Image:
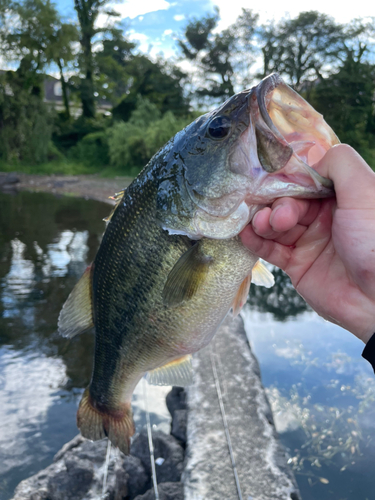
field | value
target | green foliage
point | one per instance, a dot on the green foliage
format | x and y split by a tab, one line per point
346	99
159	82
26	121
133	143
92	150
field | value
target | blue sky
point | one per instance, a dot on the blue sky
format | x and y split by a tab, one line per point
153	23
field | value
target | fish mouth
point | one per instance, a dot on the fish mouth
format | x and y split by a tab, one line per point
291	136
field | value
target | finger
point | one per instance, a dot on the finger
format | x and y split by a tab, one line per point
269	250
261	223
353	179
287	212
290	238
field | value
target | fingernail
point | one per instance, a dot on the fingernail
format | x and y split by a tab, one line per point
276	209
254	221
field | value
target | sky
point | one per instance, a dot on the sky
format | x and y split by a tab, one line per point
154	23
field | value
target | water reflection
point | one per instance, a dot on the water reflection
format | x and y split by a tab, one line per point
281	300
321	391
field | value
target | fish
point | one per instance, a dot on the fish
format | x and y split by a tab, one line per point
171	264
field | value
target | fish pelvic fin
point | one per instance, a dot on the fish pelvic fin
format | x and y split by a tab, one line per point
262	276
76	315
97	424
178	372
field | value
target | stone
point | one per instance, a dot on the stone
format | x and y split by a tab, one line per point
179	424
165	447
176	400
8	179
73	482
167	491
131	478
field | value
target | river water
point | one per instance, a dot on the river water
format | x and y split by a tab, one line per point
321	391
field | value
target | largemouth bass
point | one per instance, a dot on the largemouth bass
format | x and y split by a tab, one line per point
171	264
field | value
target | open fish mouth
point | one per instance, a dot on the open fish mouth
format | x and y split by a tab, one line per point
291	136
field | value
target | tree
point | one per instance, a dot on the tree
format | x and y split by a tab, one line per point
211	55
347	101
61	51
88	12
303	48
223	59
112	62
161	83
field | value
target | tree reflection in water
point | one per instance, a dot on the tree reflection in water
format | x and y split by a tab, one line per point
282	300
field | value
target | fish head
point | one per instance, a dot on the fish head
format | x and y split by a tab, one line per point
258	146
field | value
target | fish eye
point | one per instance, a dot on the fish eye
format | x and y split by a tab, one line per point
219	127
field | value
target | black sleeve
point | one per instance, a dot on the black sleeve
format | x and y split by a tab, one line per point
369	351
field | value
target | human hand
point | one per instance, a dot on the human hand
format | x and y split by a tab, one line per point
327	247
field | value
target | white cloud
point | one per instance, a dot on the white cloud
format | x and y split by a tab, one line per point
179	17
140	37
229	11
132	8
168	32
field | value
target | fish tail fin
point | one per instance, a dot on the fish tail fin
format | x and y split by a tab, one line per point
95	424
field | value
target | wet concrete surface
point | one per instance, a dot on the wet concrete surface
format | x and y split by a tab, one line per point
259	457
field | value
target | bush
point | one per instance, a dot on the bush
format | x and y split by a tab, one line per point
132	144
92	150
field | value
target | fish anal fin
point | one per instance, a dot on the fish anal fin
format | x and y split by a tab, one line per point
187	275
76	315
178	372
241	296
95	424
262	276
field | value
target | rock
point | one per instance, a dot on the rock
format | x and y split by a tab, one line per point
73	482
167	491
167	449
176	400
131	478
8	179
77	472
69	446
179	424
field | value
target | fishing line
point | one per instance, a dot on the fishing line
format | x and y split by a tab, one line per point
225	423
150	443
105	475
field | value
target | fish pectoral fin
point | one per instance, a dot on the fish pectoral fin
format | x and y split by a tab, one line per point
178	372
241	296
262	276
76	315
186	276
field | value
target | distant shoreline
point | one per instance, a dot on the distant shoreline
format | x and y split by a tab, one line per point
84	186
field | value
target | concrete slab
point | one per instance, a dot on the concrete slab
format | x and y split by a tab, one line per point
258	456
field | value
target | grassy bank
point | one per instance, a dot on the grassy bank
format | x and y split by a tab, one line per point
68	168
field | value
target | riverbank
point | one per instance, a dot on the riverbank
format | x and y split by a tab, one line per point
85	186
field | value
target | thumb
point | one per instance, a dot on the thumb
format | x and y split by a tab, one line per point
353	179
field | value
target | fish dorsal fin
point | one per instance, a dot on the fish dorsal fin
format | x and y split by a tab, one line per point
186	276
117	198
76	315
241	296
178	372
262	276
